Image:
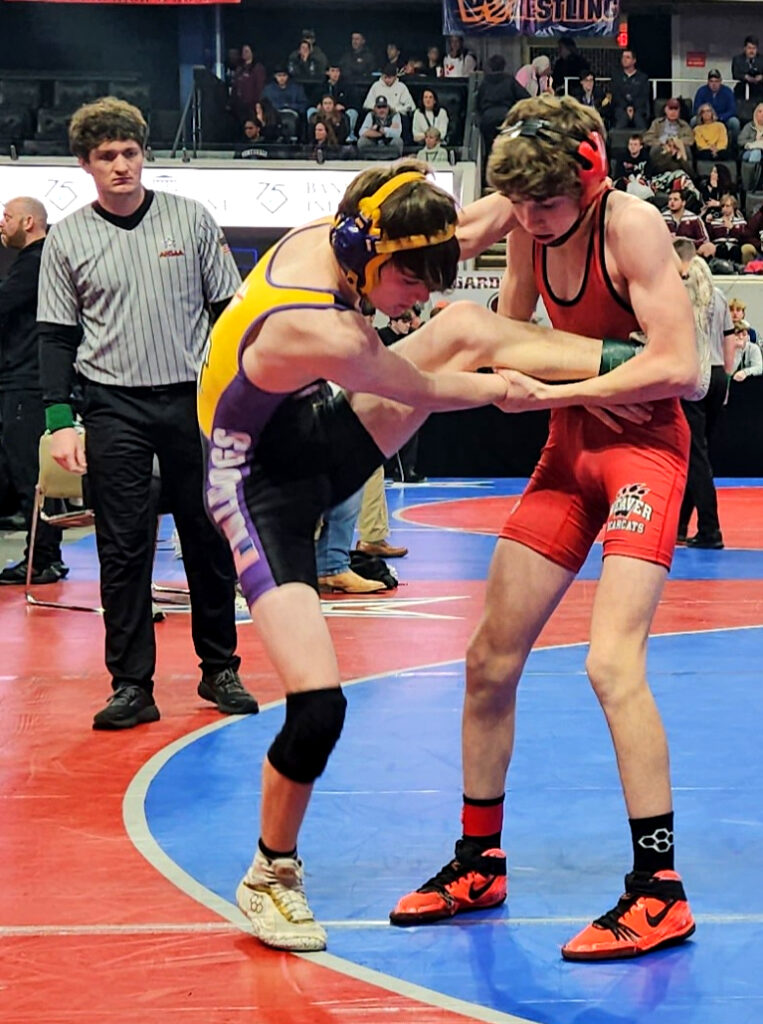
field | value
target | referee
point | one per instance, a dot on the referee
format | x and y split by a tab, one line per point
142	274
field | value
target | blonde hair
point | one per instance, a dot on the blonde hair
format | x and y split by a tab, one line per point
707	106
533	167
737	304
105	120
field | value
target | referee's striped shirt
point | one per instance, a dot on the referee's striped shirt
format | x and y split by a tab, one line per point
141	295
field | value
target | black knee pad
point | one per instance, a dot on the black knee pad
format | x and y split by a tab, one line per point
314	721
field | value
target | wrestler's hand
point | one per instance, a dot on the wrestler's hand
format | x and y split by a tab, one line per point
610	417
522	393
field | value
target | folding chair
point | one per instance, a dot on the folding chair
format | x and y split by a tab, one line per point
55	482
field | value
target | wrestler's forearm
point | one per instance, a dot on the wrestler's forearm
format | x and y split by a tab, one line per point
465	336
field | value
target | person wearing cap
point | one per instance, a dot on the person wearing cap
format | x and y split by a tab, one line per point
381	134
283	93
721	99
670	134
394	91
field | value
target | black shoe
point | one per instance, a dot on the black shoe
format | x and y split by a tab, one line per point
53	573
681	537
412	476
713	541
226	691
128	706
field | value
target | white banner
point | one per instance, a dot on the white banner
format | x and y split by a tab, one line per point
243	195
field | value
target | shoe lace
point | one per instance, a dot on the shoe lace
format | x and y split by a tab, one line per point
288	892
227	681
613	919
447	874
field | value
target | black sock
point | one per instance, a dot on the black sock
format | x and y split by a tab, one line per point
275	854
653	843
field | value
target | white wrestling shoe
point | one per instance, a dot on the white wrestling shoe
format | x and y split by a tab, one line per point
272	896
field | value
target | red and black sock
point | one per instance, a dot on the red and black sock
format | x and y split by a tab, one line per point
653	843
482	822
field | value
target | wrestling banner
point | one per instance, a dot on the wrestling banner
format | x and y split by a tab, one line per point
530	17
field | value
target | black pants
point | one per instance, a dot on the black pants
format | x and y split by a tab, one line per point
702	417
125	427
23	424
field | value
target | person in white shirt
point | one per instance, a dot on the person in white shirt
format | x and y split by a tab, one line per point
429	114
458	62
393	90
433	152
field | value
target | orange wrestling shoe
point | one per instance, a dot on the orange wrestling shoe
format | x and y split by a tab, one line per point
471	881
651	914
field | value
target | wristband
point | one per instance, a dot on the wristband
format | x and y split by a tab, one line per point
614	352
58	417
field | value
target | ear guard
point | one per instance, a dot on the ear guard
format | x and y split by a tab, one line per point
590	152
360	245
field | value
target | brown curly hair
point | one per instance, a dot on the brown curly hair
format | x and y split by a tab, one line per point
105	120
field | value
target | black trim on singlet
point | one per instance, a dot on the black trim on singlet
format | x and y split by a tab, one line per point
131	221
623	303
544	270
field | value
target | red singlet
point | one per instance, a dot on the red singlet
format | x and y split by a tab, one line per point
589	477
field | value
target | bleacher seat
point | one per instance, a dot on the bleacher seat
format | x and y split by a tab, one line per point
38	147
745	109
20	92
137	93
15	122
290	124
70	94
617	139
52	124
753	201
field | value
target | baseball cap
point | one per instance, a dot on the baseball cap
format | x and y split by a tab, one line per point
381	101
714	73
673	104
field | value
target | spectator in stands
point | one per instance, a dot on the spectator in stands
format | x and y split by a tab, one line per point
684	224
335	86
433	152
381	134
721	99
332	550
414	68
358	61
373	521
630	88
393	90
285	94
711	139
317	53
22	414
670	138
248	83
737	311
322	143
395	57
267	115
748	359
712	188
728	230
535	77
252	146
302	65
457	62
338	121
751	144
632	168
569	64
497	93
433	63
747	71
713	324
429	114
754	236
592	95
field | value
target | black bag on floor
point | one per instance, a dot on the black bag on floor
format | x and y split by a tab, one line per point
371	567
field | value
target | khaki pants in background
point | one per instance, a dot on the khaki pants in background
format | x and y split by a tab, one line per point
373	522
